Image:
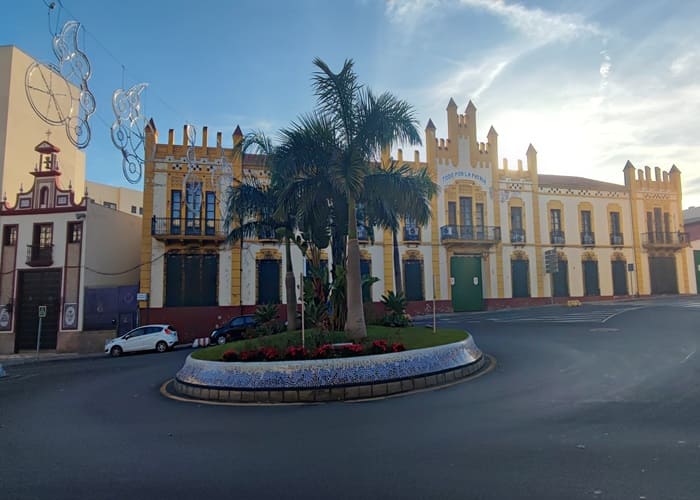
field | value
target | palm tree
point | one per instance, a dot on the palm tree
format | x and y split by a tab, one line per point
394	192
345	135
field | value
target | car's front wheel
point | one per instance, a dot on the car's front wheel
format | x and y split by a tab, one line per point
221	339
116	351
161	346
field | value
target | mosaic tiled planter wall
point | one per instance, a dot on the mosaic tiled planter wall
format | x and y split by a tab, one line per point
331	378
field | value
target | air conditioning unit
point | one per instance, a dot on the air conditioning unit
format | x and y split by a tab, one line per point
448	231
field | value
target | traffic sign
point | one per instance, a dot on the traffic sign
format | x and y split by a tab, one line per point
42	311
551	261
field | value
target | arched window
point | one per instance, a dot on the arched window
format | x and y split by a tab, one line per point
44	197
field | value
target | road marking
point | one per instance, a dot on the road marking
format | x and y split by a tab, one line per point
688	356
620	312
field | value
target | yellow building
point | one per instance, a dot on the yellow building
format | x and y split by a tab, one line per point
500	236
21	128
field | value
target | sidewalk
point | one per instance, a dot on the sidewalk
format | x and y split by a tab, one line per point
26	357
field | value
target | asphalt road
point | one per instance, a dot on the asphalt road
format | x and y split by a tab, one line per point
603	405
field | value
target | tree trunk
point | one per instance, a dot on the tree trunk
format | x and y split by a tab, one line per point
398	285
290	283
240	276
355	323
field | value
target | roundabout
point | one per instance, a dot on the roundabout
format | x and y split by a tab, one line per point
335	379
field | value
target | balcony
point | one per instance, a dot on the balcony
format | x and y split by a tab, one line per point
39	255
616	239
411	234
479	235
587	238
664	240
556	237
517	236
166	228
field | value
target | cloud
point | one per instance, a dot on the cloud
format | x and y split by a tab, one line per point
471	79
683	63
536	24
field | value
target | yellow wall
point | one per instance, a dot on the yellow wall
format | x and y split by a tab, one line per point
21	129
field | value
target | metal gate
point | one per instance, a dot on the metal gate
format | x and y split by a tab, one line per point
662	271
37	288
590	278
520	277
619	277
467	289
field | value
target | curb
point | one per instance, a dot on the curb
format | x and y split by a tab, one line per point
181	391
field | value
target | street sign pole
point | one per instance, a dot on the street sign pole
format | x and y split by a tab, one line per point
42	315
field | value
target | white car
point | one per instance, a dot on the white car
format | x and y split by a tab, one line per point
144	338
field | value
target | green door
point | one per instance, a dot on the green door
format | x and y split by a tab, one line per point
697	268
590	278
467	289
520	277
560	280
619	275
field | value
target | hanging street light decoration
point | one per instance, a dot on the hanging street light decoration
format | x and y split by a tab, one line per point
59	93
129	131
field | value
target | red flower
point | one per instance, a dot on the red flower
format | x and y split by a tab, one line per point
322	352
379	346
397	347
295	352
353	350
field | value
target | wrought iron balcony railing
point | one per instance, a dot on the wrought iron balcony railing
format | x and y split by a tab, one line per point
659	239
556	237
617	239
517	236
411	233
587	238
167	227
473	234
39	255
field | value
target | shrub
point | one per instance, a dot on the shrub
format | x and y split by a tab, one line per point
230	355
395	302
265	313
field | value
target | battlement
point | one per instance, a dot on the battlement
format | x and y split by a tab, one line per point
641	179
204	152
461	126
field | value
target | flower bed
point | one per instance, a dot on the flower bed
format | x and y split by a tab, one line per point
324	351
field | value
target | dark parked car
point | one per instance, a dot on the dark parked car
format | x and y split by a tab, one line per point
234	329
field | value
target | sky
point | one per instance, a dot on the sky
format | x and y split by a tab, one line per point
590	84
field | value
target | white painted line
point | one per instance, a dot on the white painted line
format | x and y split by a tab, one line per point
620	312
688	356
